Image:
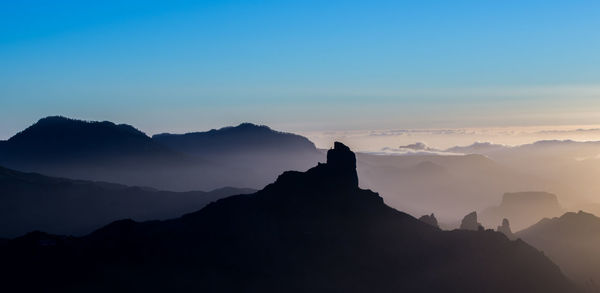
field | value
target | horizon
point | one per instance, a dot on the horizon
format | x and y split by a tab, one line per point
378	140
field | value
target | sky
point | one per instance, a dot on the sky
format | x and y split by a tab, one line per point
302	66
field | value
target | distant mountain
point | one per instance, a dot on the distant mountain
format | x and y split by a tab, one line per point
247	155
254	152
308	232
476	148
573	242
523	209
31	202
67	141
103	151
449	186
246	137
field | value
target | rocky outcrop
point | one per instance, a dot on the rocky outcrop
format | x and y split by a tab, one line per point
469	222
505	229
429	219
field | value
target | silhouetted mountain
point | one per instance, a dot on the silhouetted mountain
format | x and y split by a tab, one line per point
572	241
66	141
103	151
246	155
308	232
246	137
523	209
31	201
504	228
429	219
469	222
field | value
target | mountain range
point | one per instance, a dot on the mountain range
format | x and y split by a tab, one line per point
251	156
313	231
104	151
30	201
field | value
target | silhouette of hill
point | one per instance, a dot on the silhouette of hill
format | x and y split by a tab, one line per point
246	155
429	219
31	201
246	137
59	139
308	232
572	241
523	209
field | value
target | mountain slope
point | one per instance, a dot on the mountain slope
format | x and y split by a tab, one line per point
572	241
31	201
308	232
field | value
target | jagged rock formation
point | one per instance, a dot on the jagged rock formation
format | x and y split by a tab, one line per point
523	209
505	229
429	219
313	231
469	222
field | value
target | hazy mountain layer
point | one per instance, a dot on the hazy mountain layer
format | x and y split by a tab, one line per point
522	209
31	202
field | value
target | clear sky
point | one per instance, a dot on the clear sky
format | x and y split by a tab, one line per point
300	65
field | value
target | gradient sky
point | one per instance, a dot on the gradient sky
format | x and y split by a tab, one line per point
300	65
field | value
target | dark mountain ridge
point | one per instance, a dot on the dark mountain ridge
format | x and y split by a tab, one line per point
60	139
307	232
247	155
246	137
30	201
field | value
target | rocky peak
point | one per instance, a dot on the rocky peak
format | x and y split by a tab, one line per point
429	219
469	222
505	229
342	161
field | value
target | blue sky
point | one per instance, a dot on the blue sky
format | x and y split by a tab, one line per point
300	65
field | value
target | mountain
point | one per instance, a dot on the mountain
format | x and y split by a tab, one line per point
313	231
67	141
103	151
523	209
573	242
243	156
31	202
255	152
246	137
476	148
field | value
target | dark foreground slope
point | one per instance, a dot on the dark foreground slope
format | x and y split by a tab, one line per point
573	242
30	201
307	232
